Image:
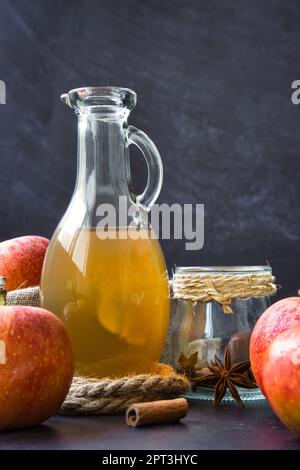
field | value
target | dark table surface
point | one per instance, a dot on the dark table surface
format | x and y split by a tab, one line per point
227	427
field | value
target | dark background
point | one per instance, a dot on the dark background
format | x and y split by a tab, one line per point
214	84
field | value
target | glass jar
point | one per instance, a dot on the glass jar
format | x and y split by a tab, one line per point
207	327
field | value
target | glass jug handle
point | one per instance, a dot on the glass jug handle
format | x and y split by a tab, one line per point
154	164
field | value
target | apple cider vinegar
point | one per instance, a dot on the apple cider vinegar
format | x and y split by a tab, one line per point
112	295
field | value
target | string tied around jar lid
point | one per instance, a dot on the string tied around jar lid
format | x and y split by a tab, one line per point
222	287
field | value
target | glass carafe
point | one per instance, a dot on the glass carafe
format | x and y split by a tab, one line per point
104	274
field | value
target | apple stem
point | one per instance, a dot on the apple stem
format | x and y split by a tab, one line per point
3	290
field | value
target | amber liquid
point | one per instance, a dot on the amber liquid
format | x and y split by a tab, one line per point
112	295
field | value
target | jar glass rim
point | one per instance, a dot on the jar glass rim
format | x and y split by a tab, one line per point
109	97
223	269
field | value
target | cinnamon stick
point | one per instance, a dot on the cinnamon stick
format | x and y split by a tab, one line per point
156	412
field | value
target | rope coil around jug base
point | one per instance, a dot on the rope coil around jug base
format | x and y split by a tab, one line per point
88	396
92	396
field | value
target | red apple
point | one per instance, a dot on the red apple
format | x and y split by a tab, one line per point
21	261
280	317
36	366
281	377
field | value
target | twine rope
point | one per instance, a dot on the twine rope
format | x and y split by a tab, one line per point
222	288
88	396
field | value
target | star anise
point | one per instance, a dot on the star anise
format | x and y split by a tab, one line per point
189	365
226	376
